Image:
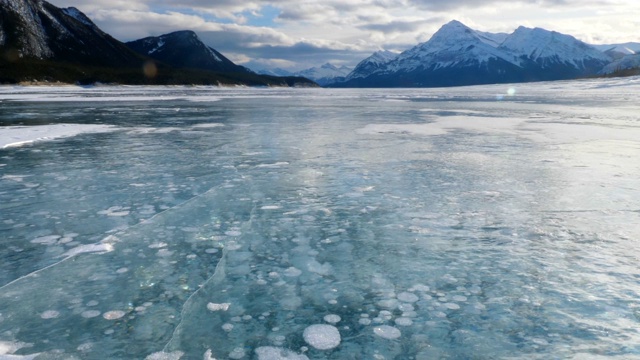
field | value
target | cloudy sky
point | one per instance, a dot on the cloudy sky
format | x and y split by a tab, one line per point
296	34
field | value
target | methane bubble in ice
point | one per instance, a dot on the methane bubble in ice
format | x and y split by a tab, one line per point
113	315
292	272
387	332
237	353
408	297
332	318
403	321
50	314
275	353
322	337
452	306
90	314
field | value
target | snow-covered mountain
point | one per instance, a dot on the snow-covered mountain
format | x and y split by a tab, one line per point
184	49
36	29
625	63
275	72
618	51
459	55
323	75
550	48
371	64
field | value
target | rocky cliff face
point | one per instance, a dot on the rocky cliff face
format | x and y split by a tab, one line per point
37	29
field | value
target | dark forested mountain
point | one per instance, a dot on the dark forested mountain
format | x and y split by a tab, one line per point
41	42
184	49
459	55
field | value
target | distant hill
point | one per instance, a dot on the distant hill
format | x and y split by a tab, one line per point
43	43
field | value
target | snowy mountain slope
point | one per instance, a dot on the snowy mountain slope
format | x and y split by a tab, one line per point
624	63
454	44
324	74
628	48
36	29
184	49
458	55
617	51
547	47
371	64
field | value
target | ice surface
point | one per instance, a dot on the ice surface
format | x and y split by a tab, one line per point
489	221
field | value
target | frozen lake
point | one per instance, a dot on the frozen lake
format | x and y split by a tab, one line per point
488	222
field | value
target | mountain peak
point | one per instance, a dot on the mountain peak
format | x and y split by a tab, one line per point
329	66
537	44
184	49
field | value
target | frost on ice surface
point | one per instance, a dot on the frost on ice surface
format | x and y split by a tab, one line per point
322	337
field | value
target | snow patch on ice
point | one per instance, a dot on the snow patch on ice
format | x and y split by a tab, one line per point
14	136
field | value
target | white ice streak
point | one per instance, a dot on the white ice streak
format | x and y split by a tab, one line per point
90	248
10	347
12	136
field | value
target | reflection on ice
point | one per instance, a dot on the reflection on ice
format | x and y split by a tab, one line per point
286	224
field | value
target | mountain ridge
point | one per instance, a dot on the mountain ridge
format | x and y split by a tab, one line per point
458	55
